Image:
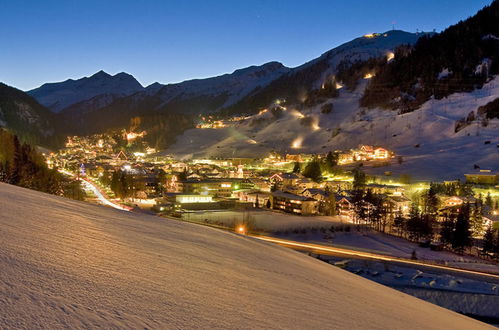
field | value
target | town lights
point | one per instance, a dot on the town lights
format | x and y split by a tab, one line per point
241	230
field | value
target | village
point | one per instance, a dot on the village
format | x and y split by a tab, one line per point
128	171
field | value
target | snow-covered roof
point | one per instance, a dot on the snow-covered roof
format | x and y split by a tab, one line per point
69	264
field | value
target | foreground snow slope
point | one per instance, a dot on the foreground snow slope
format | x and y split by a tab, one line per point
71	264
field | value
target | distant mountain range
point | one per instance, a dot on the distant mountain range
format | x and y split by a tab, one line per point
57	96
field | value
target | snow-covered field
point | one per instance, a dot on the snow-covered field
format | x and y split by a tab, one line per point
262	220
463	295
375	242
431	127
68	264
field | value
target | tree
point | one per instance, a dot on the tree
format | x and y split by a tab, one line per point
488	240
462	233
414	223
330	161
330	205
399	222
476	219
296	167
447	230
359	179
488	201
313	170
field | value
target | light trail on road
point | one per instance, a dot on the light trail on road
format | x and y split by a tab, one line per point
359	254
90	186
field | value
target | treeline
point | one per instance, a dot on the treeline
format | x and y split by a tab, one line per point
468	54
426	220
22	165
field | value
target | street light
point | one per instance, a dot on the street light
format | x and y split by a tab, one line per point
241	229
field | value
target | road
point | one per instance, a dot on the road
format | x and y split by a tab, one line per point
89	185
341	252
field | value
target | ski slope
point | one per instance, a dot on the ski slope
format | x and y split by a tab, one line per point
68	264
442	154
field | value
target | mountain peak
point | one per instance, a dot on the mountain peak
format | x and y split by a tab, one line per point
60	95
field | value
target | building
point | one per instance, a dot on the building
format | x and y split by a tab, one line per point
291	203
215	187
483	177
344	205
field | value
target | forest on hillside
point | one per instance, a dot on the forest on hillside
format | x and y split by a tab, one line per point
460	59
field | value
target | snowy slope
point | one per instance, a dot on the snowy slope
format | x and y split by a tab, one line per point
431	126
73	265
60	95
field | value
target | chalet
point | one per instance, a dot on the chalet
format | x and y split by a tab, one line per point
291	203
344	205
448	201
315	193
285	179
399	203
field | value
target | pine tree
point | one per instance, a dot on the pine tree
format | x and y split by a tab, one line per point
488	201
296	168
462	233
488	240
447	230
359	179
313	170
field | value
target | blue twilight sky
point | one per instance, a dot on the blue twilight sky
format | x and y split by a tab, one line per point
174	40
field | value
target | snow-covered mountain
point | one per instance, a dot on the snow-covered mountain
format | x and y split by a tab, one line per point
68	264
298	83
60	95
426	138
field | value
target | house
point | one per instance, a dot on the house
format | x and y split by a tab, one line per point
254	196
344	205
285	179
448	201
292	203
399	202
315	193
381	153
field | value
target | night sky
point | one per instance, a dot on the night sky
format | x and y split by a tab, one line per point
171	41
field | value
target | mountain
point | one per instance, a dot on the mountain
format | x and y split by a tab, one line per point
192	96
336	102
166	110
304	82
68	264
23	115
60	95
460	59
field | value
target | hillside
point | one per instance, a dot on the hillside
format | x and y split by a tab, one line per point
460	59
309	130
23	115
303	83
68	264
59	95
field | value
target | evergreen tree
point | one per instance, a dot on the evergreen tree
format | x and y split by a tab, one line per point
313	170
296	167
359	179
488	201
447	230
488	240
462	233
